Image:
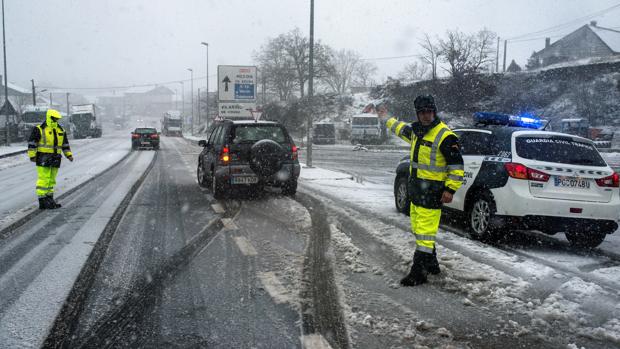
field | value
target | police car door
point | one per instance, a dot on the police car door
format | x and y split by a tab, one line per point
474	145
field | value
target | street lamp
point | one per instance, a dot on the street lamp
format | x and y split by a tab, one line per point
191	72
182	98
207	94
6	87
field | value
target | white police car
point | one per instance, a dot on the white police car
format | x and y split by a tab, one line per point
518	177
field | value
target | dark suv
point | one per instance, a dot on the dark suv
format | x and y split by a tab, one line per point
243	154
144	137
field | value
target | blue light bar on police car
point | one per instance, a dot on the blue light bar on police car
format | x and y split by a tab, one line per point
486	118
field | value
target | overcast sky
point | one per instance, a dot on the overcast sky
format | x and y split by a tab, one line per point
82	43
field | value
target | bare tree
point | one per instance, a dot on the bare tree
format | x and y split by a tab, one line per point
340	72
457	50
413	72
465	53
431	54
297	47
363	75
484	51
277	68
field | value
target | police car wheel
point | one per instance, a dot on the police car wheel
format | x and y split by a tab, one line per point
401	198
585	239
481	217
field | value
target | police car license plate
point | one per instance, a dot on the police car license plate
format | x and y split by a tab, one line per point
572	182
245	180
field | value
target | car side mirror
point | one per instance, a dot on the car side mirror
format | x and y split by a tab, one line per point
202	143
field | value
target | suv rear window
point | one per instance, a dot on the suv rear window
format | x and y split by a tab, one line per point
145	130
253	133
558	149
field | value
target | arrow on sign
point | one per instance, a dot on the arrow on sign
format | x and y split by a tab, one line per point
226	81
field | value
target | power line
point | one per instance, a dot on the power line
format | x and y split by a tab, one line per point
567	24
125	86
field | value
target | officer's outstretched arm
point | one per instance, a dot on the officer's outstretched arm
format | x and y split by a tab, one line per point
401	129
452	152
66	149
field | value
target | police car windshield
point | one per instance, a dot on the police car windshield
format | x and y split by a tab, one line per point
564	150
253	133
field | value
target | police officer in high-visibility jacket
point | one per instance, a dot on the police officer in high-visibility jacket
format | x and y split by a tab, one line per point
46	144
436	173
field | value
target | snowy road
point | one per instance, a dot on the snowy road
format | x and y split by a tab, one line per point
41	259
537	287
92	156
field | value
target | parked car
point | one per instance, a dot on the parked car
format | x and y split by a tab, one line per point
518	177
248	154
144	137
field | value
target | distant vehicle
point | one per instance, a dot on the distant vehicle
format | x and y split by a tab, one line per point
144	137
120	122
84	121
324	133
248	154
367	129
578	126
30	118
520	177
171	123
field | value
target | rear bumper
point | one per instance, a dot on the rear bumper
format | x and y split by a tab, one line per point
138	144
551	224
516	200
287	173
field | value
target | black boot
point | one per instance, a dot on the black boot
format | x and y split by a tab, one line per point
417	275
433	265
43	205
52	205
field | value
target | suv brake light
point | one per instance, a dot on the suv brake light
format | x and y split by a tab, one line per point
520	171
225	155
135	135
294	154
612	181
155	136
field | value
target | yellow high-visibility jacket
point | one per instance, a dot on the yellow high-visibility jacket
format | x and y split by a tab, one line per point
436	164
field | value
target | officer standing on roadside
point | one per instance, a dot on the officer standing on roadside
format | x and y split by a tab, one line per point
435	174
46	144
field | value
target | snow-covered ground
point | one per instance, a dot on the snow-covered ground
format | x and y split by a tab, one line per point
18	175
550	287
13	148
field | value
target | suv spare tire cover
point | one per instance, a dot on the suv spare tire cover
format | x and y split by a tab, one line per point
266	157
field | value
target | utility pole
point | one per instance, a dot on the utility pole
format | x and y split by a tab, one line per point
497	57
68	113
310	87
50	99
191	72
207	94
199	108
34	93
6	87
505	49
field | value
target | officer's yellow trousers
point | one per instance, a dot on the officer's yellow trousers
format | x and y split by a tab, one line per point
46	180
424	225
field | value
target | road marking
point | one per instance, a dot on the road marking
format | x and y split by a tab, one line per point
314	341
218	208
274	287
245	246
229	224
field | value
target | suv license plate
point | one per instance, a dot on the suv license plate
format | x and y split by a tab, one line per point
145	143
572	182
244	180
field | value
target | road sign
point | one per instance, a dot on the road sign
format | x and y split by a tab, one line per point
236	83
236	110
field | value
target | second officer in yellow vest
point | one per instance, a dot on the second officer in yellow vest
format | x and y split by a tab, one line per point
46	144
435	174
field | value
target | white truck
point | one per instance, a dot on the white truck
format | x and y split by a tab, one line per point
172	123
367	128
84	121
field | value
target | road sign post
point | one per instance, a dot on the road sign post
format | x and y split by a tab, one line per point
236	91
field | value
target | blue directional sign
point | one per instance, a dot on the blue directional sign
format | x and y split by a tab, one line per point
244	91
